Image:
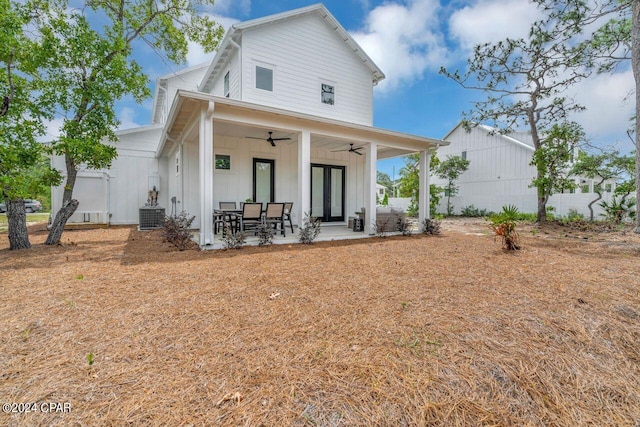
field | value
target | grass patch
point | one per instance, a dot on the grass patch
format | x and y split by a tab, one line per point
31	217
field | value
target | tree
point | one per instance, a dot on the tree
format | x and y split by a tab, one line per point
553	158
384	179
602	167
94	78
410	181
21	115
450	170
524	80
616	40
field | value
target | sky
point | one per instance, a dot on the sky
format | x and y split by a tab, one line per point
410	41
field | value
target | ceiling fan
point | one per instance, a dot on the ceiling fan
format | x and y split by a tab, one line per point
271	140
351	149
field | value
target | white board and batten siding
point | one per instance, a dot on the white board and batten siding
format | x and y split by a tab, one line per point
114	195
499	172
130	172
304	53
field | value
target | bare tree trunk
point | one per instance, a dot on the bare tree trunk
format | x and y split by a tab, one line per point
17	221
69	205
594	201
635	65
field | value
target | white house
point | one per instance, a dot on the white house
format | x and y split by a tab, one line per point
500	173
271	118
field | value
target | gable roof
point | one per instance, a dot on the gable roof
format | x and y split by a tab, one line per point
160	91
233	36
520	139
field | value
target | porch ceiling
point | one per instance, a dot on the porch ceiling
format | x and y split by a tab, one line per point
239	119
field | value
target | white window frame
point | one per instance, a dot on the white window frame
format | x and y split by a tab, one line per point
274	78
332	85
223	153
226	84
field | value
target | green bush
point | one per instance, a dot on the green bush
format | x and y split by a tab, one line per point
472	212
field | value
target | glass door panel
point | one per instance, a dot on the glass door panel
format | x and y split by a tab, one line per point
263	180
337	192
327	192
317	192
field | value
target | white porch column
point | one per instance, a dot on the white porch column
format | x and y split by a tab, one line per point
304	175
205	154
370	179
423	187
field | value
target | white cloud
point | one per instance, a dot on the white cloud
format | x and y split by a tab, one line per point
608	106
196	54
127	118
228	6
491	21
53	129
403	40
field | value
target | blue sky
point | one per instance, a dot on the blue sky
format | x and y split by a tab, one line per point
410	40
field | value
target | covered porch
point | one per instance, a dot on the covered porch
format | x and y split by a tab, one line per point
217	150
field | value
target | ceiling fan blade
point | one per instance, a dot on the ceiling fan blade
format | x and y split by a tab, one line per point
280	139
270	141
357	152
337	151
253	137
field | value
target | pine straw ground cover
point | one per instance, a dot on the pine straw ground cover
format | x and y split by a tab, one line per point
446	330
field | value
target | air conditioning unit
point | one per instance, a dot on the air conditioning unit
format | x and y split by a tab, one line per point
151	217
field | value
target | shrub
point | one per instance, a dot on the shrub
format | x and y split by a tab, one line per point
404	226
618	210
472	212
265	235
175	230
574	215
233	240
381	227
310	229
503	225
430	227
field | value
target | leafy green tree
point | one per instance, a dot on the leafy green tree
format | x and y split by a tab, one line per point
553	158
450	170
602	167
524	80
21	115
99	69
385	199
410	180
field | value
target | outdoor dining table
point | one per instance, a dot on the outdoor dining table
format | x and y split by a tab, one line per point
230	215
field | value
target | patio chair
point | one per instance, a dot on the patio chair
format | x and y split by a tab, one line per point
275	216
288	207
251	216
220	218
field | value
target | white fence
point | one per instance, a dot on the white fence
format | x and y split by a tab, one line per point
562	204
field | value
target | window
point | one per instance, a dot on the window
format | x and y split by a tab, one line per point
327	94
584	188
223	162
464	155
226	85
264	78
608	188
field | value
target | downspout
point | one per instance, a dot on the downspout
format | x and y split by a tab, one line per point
237	46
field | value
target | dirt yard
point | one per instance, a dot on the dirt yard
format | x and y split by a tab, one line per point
117	328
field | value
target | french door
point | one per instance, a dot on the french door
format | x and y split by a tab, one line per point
327	192
263	180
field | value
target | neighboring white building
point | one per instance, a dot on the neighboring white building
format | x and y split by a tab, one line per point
297	77
500	173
